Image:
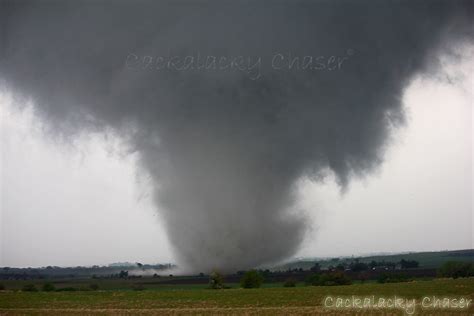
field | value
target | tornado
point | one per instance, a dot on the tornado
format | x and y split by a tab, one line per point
228	103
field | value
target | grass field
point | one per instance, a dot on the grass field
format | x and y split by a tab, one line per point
198	300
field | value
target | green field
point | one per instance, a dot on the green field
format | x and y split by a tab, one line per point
194	299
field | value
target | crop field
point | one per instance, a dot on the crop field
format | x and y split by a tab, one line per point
197	300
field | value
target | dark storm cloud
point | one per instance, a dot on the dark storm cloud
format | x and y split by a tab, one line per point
224	146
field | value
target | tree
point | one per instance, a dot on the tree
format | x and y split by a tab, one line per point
407	264
216	281
316	268
123	274
358	266
313	279
340	267
456	269
251	279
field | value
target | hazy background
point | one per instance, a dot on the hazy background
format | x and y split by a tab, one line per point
95	209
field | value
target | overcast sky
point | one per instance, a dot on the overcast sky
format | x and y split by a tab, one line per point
84	203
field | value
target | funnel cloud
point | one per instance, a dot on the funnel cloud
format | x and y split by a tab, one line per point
229	103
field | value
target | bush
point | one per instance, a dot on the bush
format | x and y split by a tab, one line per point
216	281
313	279
251	279
48	287
94	286
335	278
29	288
2	287
66	289
289	283
456	269
138	287
328	279
392	278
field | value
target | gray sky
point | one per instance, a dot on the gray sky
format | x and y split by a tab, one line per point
84	203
